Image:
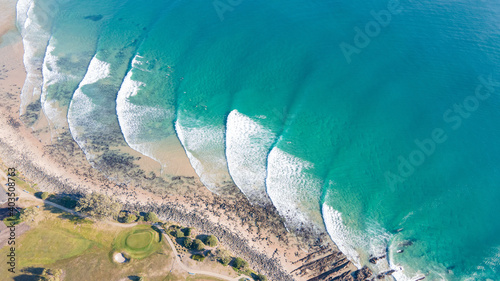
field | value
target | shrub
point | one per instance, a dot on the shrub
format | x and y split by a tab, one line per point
260	277
98	206
187	242
187	231
141	218
28	214
50	275
178	233
130	218
198	245
151	217
224	260
239	263
44	195
211	241
223	256
198	257
65	201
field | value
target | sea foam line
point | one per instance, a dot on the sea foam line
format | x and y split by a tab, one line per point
375	241
82	107
204	147
293	190
35	40
131	116
247	146
52	75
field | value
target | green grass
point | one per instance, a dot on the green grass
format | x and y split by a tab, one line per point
47	246
53	240
139	242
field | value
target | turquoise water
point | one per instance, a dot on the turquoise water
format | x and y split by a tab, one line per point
387	138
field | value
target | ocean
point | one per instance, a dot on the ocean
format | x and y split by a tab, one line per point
376	121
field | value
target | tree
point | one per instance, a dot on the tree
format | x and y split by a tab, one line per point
44	195
223	256
98	206
28	214
187	242
50	275
211	241
187	231
151	217
239	263
130	218
198	245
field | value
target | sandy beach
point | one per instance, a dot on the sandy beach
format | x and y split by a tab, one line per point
56	164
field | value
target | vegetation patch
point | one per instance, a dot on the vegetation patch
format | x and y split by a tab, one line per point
198	257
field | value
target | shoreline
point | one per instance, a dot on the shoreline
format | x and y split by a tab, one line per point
255	233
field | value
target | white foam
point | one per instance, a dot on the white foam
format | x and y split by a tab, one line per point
97	70
35	33
358	246
204	146
52	75
81	108
131	117
347	241
247	145
293	190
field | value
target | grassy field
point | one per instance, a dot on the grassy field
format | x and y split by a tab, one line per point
47	246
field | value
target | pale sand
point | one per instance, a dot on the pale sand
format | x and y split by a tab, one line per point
247	231
119	258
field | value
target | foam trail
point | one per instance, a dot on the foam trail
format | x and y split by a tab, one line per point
358	246
293	190
346	241
247	145
132	117
82	107
203	144
34	21
53	76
